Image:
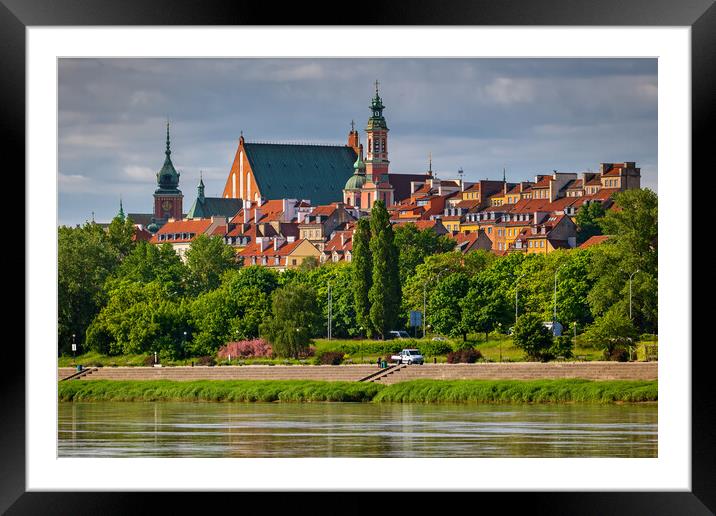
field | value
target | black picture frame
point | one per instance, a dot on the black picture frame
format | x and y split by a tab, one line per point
700	15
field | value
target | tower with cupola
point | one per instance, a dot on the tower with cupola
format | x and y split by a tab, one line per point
168	198
377	185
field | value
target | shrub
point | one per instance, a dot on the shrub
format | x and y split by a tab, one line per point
206	360
256	348
532	337
562	347
617	355
464	356
148	360
330	358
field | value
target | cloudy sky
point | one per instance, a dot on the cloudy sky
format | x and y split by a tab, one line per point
530	116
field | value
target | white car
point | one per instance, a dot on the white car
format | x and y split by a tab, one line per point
408	356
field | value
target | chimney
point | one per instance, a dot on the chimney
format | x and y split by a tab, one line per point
343	239
257	214
246	215
275	244
291	239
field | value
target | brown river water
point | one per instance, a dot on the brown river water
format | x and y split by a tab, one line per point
200	429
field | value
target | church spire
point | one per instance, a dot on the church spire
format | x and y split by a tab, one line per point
168	151
121	209
200	188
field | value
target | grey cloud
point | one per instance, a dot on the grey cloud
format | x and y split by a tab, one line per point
530	115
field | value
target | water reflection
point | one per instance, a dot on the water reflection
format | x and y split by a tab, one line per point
136	429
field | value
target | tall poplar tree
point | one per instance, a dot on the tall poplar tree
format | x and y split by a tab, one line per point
385	292
362	273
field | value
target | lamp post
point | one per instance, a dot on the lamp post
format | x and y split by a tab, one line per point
517	284
425	298
630	277
330	310
74	346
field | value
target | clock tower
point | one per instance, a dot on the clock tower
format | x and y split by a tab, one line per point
167	197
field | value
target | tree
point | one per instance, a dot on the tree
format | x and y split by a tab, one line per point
613	331
85	258
147	262
295	318
362	274
207	259
120	234
633	224
385	292
140	318
531	336
234	310
445	306
343	315
588	221
415	245
484	307
308	263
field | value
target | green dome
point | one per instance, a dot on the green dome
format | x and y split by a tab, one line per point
153	228
359	165
355	182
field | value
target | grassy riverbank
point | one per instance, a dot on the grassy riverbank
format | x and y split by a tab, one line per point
417	391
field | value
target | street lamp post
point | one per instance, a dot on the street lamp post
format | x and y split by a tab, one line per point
74	346
330	310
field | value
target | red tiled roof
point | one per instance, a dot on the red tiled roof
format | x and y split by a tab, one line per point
195	226
594	240
334	244
543	183
219	231
254	249
604	193
468	203
326	211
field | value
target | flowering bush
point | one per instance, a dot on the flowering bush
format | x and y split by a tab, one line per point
464	356
258	348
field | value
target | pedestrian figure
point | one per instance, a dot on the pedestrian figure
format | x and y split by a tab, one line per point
380	362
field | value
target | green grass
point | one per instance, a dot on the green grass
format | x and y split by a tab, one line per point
216	390
417	391
517	391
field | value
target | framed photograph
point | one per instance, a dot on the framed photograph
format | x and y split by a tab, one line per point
178	121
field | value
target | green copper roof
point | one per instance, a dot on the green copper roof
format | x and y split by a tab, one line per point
376	121
355	182
287	171
167	177
206	207
359	165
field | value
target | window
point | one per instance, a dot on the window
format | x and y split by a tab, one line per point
541	244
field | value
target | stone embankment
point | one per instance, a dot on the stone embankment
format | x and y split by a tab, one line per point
348	373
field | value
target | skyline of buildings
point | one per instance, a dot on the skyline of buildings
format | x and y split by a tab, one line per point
628	104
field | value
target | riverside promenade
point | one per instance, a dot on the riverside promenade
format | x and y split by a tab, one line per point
371	373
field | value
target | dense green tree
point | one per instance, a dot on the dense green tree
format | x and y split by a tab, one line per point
632	247
120	234
340	277
85	258
588	221
362	274
613	330
484	306
531	336
140	318
294	319
148	262
415	245
207	259
233	311
445	305
385	292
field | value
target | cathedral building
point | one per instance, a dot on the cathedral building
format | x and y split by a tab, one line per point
321	174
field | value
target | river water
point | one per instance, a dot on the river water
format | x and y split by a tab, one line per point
200	429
